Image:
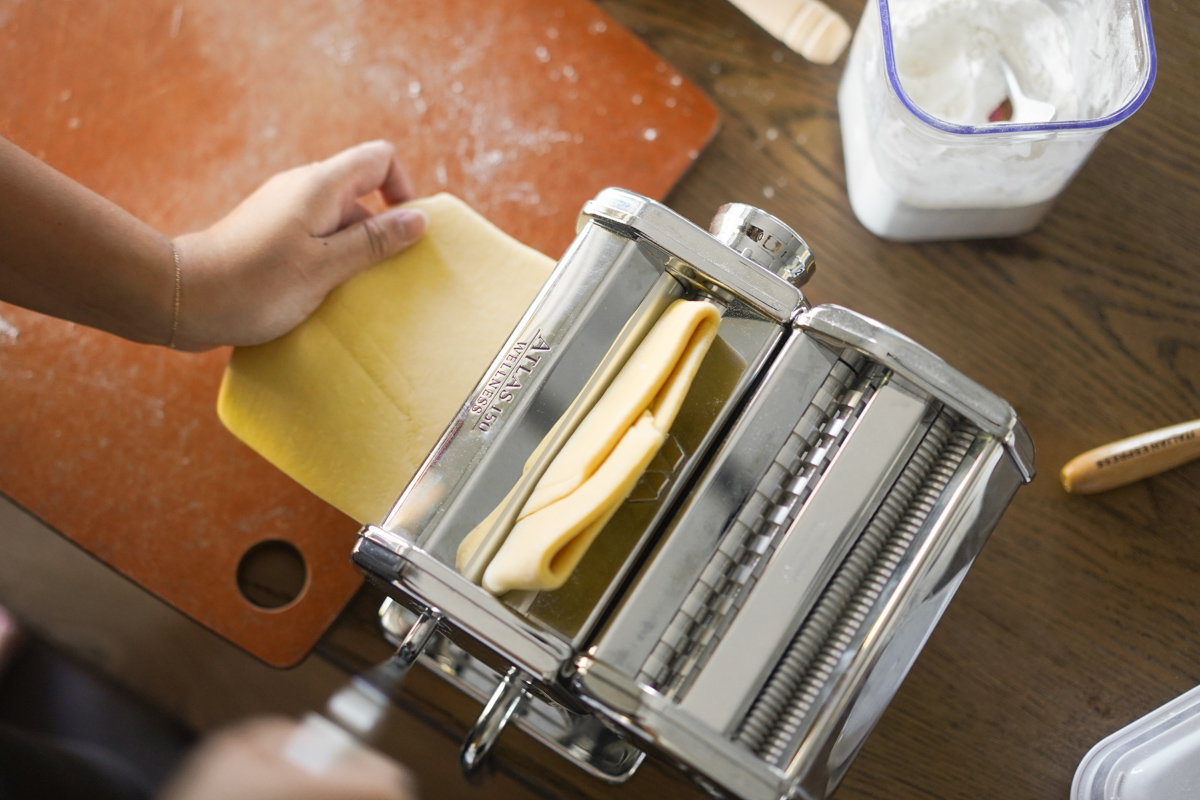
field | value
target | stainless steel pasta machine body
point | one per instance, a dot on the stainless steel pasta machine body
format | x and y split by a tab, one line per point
756	601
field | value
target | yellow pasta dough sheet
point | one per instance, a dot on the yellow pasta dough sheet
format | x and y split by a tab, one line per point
350	403
603	459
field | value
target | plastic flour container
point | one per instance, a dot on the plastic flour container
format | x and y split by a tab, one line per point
933	147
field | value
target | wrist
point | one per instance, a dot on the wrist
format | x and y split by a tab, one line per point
198	320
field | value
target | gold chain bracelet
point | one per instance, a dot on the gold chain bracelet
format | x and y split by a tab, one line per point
178	287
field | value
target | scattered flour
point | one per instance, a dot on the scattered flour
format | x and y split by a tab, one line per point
338	41
8	332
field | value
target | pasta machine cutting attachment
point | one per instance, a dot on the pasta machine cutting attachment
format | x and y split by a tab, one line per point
753	605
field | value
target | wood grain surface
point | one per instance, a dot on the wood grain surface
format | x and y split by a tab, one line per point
1082	613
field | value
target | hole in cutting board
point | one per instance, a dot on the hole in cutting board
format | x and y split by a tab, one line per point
272	574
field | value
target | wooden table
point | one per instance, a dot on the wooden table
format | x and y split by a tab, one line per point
1081	614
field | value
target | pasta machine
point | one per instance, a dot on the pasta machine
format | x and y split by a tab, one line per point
755	602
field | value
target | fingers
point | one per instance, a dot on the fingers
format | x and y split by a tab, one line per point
352	250
361	774
264	267
375	776
357	213
247	762
366	167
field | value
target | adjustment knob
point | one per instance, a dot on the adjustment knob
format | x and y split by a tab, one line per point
764	240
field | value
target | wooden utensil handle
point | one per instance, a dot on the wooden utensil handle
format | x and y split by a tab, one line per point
1118	463
811	28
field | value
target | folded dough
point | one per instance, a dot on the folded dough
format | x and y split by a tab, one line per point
349	403
602	460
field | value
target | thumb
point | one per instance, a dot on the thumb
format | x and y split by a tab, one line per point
370	241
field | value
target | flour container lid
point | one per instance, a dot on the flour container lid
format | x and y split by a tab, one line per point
1155	758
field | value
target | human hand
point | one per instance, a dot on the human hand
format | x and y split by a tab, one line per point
246	762
265	267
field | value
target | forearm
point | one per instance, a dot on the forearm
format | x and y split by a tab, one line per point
252	276
68	252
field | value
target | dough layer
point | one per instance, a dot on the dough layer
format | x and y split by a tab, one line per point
350	402
603	459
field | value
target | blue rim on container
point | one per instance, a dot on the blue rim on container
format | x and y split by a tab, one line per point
1120	115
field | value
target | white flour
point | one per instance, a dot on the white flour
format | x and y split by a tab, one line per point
8	332
948	55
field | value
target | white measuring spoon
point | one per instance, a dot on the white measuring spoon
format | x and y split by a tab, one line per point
1024	108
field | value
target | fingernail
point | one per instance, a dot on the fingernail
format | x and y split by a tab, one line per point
413	221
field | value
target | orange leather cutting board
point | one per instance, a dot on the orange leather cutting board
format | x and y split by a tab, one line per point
176	110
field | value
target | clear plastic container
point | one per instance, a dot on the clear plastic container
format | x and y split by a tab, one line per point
923	161
1155	758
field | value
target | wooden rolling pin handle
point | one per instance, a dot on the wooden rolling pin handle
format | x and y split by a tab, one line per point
811	28
1132	459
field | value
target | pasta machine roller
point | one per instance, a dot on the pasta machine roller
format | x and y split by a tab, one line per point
755	602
